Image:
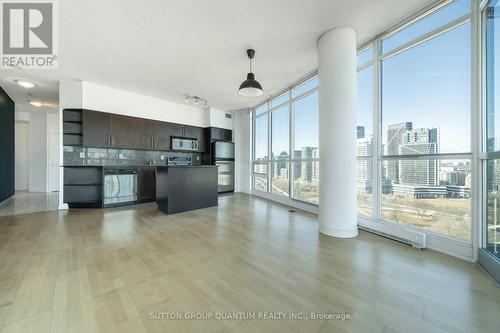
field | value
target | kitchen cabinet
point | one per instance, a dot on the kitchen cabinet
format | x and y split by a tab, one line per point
96	129
130	133
83	187
106	130
146	184
220	134
162	133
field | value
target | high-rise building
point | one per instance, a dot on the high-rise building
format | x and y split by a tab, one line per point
361	131
419	172
281	164
309	169
364	167
395	134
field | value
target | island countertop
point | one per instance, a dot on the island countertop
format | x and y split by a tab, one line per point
181	188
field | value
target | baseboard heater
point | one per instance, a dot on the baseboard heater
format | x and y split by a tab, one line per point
410	237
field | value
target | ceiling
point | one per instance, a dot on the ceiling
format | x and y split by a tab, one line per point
170	48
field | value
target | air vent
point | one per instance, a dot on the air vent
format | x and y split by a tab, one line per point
413	238
229	116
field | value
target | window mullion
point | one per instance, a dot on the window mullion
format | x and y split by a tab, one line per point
377	132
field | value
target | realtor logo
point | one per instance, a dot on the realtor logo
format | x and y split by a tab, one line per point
28	34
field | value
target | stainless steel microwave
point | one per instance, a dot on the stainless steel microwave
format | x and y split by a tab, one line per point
184	144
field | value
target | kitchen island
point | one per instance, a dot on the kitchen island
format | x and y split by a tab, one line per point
183	188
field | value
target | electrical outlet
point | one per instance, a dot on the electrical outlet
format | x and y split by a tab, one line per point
162	157
82	155
120	156
197	158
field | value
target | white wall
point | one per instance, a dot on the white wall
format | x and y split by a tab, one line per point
101	98
38	170
22	156
217	118
242	142
53	146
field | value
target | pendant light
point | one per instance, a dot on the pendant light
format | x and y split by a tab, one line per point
250	87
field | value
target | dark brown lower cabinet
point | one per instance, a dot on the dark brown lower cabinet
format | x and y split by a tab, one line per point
83	187
146	184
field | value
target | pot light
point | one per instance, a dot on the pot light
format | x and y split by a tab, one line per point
25	84
36	103
250	87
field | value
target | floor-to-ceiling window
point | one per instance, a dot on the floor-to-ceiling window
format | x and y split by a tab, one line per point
414	132
287	127
491	136
425	166
364	132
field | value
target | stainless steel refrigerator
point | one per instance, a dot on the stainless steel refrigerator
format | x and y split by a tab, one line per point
223	157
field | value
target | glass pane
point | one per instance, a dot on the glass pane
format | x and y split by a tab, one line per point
493	75
260	168
260	183
260	138
306	181
426	97
280	133
493	212
261	109
427	24
365	111
306	127
279	100
364	187
306	86
430	194
280	183
365	56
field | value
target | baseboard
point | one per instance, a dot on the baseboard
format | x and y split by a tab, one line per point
490	264
63	206
5	202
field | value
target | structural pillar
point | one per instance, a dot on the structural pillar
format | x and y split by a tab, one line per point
337	133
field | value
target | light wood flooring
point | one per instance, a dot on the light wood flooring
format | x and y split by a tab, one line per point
110	270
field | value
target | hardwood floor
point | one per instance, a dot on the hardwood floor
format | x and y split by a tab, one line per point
113	270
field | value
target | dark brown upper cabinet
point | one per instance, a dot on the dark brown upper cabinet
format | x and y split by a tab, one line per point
220	134
162	133
131	133
96	129
106	130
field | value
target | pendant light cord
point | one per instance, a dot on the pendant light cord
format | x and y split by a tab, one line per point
250	65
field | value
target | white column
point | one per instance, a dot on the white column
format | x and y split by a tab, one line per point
337	133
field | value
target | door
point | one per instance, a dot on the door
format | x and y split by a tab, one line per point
225	176
54	161
223	150
163	132
21	156
146	184
130	132
96	129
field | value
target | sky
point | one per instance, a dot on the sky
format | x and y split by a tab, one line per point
428	85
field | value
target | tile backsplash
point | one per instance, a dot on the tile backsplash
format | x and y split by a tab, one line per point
104	156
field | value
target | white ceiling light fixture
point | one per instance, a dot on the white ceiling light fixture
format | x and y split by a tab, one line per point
36	103
250	87
25	84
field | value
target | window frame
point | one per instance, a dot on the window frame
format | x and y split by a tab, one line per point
378	157
271	160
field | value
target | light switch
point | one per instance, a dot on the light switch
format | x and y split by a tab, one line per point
162	157
120	156
82	154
